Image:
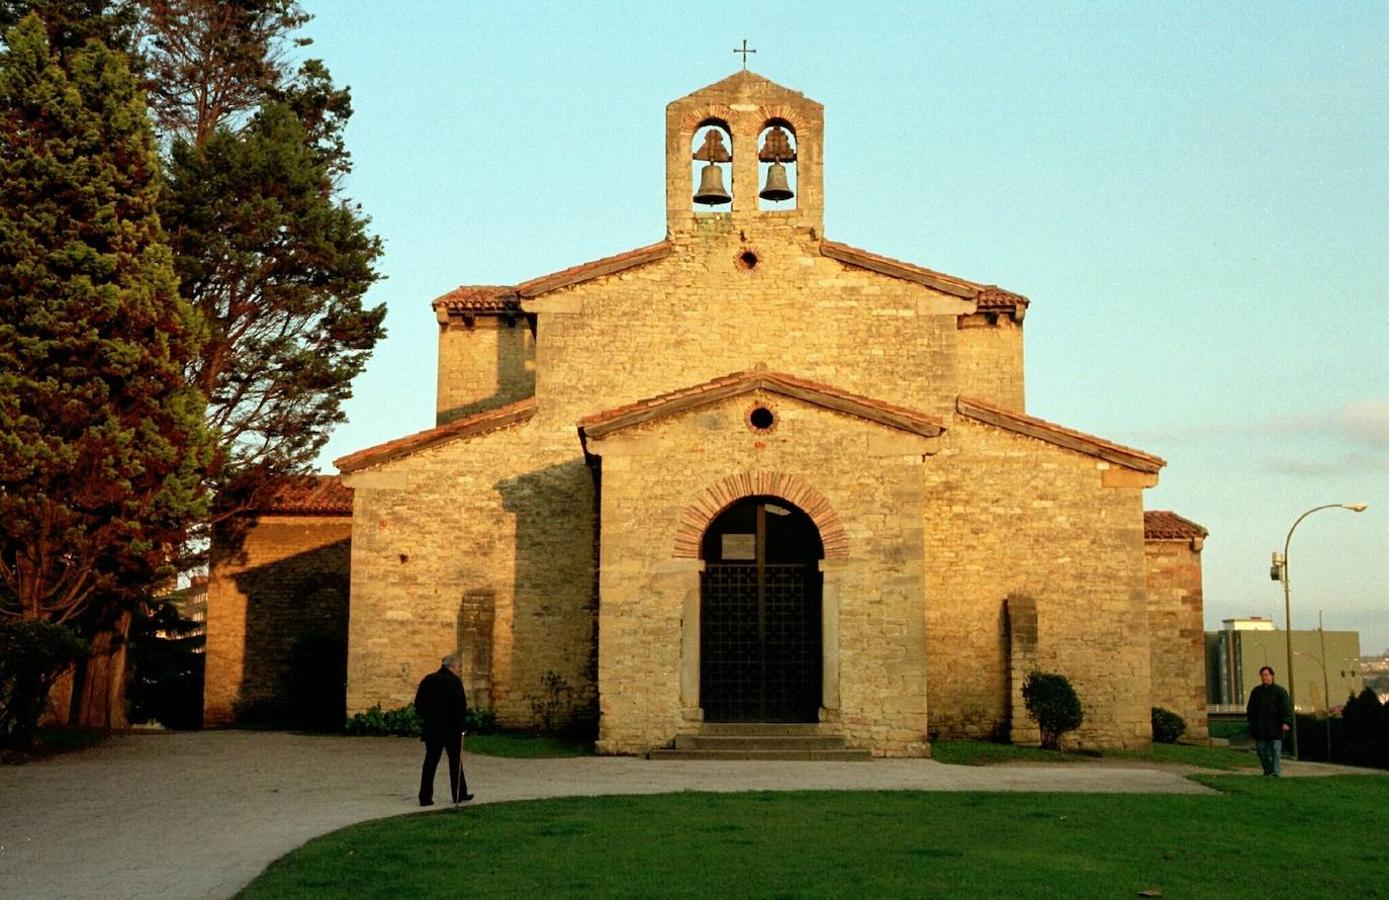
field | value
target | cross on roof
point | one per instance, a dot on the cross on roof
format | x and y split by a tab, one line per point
745	51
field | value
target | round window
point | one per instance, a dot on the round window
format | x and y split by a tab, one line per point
761	418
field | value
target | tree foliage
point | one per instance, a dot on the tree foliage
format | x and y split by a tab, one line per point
1052	703
102	442
33	653
271	255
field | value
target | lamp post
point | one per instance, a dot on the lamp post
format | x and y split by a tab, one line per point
1281	564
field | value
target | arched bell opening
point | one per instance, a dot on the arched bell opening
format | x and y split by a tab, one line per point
760	614
776	162
711	166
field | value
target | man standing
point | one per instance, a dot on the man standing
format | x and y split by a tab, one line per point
1270	715
442	708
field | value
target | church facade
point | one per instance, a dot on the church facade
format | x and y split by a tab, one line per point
749	473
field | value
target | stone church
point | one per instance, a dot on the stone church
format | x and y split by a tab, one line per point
744	474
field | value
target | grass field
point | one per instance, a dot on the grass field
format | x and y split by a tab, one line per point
1303	837
519	745
983	753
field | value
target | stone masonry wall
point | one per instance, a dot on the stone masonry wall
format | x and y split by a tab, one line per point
1004	514
991	364
649	600
1175	624
284	592
483	364
699	314
482	546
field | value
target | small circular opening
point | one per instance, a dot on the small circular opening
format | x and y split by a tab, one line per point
748	259
761	418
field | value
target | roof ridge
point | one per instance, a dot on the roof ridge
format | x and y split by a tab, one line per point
735	383
1042	429
468	426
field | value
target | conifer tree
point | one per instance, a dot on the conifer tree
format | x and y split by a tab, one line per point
102	440
275	260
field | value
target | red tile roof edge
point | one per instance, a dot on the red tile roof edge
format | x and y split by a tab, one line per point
479	298
303	495
588	271
469	426
1165	525
987	296
736	383
1041	429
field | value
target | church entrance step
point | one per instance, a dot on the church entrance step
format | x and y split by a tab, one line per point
760	740
759	728
842	755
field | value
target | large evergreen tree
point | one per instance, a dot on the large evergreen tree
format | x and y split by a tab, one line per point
266	248
102	440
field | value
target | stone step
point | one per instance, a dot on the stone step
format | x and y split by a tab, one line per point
840	755
761	729
759	742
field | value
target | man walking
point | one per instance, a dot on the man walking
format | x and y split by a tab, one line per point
442	707
1270	715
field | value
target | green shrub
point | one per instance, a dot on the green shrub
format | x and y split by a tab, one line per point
33	653
1052	703
480	721
1167	726
405	722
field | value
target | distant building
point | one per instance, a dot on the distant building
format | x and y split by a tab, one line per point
1236	653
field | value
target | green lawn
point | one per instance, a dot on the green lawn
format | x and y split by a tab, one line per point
519	745
1303	837
983	753
986	753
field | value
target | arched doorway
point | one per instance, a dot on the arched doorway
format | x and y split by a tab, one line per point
760	592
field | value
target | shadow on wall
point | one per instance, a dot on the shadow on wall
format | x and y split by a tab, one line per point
295	672
512	372
553	626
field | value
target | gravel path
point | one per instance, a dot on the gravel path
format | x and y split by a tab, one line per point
200	814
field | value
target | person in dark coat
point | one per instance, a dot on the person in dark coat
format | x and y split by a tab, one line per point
1270	715
443	707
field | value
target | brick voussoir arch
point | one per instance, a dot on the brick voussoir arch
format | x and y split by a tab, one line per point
717	497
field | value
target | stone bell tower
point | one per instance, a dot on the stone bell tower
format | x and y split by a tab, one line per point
744	152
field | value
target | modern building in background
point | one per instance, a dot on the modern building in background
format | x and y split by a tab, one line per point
1326	664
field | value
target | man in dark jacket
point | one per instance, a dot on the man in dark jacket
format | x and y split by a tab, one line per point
442	708
1270	715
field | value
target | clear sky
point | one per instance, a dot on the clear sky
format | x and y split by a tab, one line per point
1195	197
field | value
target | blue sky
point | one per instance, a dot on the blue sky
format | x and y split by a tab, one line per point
1194	196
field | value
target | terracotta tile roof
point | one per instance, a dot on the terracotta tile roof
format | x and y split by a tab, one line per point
987	296
304	495
737	383
479	298
1162	525
469	426
1058	435
608	265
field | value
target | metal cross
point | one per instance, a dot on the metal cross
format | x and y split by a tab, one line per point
745	51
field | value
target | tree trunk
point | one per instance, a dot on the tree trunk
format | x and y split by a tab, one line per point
59	710
102	701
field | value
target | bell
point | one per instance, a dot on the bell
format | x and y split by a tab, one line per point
777	188
711	190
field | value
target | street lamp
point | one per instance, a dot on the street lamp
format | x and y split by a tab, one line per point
1281	568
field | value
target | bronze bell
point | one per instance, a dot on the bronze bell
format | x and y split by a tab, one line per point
711	191
777	187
